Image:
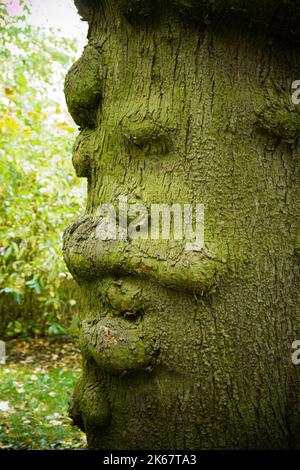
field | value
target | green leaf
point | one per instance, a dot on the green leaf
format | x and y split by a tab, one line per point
33	284
56	329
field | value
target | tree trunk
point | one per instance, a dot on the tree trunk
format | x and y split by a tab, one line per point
186	103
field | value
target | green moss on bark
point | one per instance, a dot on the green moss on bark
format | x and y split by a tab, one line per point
189	350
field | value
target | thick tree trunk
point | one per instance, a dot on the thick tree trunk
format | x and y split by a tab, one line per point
188	349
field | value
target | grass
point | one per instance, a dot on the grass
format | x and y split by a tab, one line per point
34	394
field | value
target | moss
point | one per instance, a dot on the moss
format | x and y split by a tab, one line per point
190	350
89	397
85	98
137	7
282	16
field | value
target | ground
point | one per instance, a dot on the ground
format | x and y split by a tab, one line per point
35	386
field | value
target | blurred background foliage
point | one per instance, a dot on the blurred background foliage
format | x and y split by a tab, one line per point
39	193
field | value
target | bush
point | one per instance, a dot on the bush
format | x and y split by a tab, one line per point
38	191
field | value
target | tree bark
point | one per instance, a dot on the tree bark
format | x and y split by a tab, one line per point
189	103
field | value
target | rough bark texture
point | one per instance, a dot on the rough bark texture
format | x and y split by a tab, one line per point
179	102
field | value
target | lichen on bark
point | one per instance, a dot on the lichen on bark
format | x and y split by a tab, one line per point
189	102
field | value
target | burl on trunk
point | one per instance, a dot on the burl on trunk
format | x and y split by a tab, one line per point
188	102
